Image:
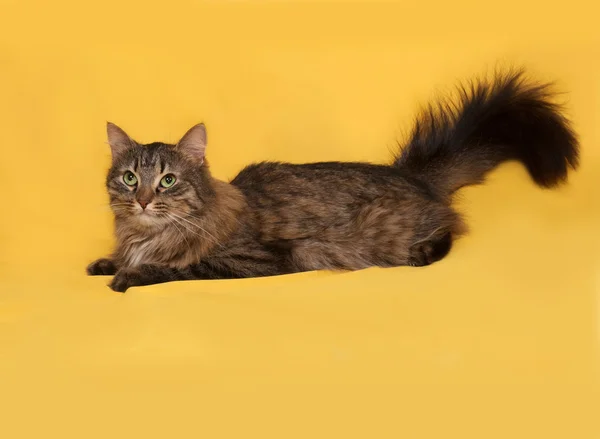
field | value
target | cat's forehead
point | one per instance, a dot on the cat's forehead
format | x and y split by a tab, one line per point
154	154
150	157
148	161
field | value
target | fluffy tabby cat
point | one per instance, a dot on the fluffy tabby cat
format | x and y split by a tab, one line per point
174	221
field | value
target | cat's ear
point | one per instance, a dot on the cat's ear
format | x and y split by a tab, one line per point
118	140
193	143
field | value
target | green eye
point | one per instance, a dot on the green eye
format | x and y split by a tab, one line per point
168	180
129	178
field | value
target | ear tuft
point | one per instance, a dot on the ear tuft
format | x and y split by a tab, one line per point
118	140
193	143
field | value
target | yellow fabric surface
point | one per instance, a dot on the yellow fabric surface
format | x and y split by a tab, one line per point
499	340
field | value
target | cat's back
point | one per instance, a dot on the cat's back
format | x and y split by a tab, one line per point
329	182
293	201
316	177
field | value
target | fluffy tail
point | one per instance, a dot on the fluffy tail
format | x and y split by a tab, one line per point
456	144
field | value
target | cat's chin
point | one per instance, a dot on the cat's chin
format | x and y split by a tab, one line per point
146	219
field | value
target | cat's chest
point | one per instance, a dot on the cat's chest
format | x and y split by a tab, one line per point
158	249
142	252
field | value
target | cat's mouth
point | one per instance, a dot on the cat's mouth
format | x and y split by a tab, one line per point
148	216
147	211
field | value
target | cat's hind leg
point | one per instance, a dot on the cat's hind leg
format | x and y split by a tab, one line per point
429	251
437	228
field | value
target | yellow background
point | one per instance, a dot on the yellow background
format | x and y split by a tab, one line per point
499	340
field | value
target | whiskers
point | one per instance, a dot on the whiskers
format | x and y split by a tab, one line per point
174	223
198	227
183	221
187	226
120	208
111	206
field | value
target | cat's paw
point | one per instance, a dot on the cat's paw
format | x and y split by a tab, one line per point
101	267
428	252
125	278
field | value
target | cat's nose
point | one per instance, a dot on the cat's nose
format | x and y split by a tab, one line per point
143	203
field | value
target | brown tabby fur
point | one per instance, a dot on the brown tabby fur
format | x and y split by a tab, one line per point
278	218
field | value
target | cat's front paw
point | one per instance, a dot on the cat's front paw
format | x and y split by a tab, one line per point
125	278
101	267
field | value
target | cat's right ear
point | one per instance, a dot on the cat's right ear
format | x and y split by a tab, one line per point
118	140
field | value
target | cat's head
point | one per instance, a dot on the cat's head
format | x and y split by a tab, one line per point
152	185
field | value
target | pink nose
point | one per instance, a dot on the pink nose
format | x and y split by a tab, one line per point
143	203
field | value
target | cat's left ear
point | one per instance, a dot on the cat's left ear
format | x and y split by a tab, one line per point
193	144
